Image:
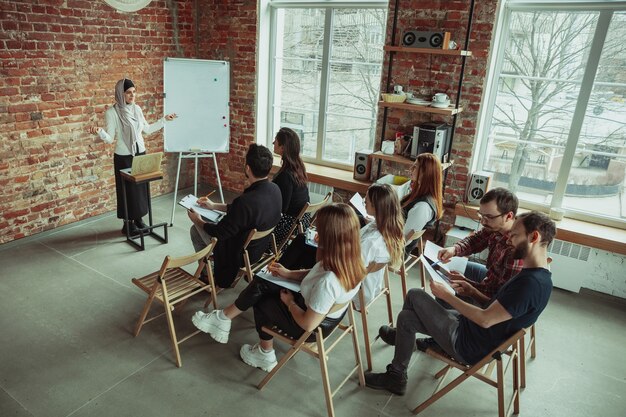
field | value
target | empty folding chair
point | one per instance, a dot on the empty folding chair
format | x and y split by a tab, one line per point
171	285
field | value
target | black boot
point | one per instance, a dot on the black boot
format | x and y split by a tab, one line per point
387	334
140	224
133	229
392	381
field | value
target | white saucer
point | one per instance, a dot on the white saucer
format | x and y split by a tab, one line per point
418	101
440	105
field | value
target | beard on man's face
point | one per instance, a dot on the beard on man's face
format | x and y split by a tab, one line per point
520	251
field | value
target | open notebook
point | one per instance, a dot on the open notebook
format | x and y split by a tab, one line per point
191	202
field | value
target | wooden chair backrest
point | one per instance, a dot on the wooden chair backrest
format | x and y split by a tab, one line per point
374	267
338	307
255	235
414	235
186	260
310	209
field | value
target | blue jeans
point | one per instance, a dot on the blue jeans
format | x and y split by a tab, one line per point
475	272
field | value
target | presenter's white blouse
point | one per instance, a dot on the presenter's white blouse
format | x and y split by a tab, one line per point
114	130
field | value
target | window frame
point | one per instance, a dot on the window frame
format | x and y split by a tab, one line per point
605	10
268	121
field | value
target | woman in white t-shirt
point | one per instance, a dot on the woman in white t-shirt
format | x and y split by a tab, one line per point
423	206
382	240
334	279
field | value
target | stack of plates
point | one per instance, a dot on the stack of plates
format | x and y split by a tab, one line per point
418	101
443	105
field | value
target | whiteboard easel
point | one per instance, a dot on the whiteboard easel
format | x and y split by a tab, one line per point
198	91
195	156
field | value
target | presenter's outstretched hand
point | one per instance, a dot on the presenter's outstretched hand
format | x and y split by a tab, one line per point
93	130
171	116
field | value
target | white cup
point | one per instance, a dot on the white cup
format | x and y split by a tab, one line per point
408	94
441	98
397	89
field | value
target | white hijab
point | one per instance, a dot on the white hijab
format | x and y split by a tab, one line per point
131	125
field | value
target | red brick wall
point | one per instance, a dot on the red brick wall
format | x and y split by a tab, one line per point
428	74
60	60
228	31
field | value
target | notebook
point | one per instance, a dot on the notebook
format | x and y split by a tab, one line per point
191	202
144	164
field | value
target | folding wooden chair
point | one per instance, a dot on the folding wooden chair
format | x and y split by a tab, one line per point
248	269
509	347
172	285
385	291
309	209
320	350
410	261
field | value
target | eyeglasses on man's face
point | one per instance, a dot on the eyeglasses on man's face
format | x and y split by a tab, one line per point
488	217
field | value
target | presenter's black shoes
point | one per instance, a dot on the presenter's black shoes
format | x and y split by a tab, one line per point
387	334
140	224
133	229
392	381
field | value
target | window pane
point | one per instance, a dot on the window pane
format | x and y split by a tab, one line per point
353	82
355	71
299	62
544	61
596	181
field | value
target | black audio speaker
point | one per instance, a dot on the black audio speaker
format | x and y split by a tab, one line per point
362	165
425	39
477	187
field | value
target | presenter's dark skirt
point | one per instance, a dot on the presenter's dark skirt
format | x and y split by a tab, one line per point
136	195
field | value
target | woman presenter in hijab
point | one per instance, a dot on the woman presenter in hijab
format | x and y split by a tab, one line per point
126	123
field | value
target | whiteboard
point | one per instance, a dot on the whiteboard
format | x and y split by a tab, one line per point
197	90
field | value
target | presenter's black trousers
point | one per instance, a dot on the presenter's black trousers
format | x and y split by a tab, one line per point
136	194
269	311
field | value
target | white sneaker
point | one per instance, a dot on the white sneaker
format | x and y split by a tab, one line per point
254	356
210	323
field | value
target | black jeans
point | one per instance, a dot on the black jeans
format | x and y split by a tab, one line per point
269	311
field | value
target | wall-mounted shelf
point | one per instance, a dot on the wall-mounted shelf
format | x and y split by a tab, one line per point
452	52
421	109
402	160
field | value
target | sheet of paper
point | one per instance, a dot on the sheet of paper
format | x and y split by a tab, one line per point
290	285
436	276
457	263
191	202
359	204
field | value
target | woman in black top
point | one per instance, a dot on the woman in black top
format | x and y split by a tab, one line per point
291	179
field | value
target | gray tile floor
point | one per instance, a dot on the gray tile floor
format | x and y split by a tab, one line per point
68	308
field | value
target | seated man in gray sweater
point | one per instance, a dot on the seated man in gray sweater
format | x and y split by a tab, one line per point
468	333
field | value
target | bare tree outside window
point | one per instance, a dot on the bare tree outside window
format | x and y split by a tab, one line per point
545	58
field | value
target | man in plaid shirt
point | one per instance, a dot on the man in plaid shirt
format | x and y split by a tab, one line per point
498	208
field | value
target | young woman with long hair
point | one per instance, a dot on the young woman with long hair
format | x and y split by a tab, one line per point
382	240
424	204
334	279
291	179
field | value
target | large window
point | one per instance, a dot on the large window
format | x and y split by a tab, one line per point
325	71
555	122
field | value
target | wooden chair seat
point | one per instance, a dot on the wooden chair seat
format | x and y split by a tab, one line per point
320	349
482	371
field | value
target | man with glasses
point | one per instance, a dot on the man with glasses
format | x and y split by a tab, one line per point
498	208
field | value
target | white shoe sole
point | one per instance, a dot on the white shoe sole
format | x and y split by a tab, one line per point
267	368
206	328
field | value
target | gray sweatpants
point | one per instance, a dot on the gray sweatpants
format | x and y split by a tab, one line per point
422	314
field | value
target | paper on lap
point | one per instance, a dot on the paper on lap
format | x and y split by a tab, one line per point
436	276
191	202
290	285
457	263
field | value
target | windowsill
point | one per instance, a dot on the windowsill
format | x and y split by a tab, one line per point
583	233
333	177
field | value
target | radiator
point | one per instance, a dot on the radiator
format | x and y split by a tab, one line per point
570	264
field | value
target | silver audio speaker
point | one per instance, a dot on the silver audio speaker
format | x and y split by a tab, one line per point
362	165
478	186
